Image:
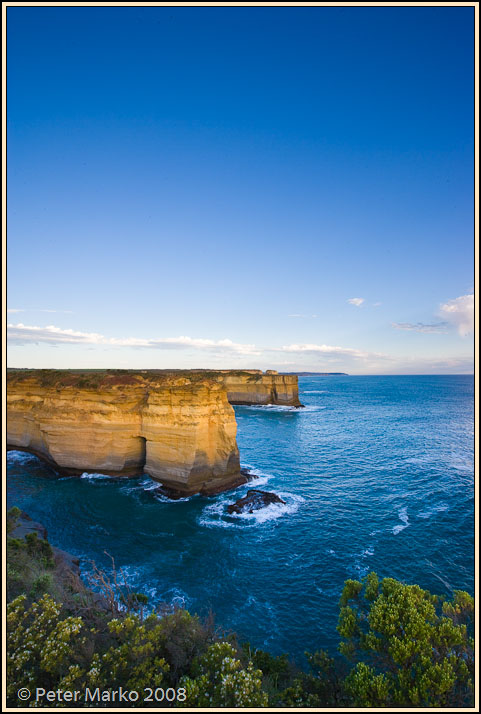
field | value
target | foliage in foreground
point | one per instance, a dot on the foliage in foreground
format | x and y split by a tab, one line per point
411	648
401	646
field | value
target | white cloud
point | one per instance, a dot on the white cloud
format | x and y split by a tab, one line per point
460	313
356	301
224	353
25	334
435	328
330	350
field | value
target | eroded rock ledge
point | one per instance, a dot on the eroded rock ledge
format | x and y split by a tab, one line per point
252	386
177	427
256	387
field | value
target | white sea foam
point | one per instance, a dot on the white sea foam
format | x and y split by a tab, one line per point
159	496
428	512
19	457
215	515
403	516
138	580
270	407
315	391
95	476
368	551
148	484
257	477
274	510
282	409
359	564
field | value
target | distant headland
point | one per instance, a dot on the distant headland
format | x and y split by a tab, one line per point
318	374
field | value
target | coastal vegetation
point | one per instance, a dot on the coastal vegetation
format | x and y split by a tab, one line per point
399	645
94	378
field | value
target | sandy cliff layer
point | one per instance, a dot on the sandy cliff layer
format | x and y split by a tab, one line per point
259	388
252	386
179	429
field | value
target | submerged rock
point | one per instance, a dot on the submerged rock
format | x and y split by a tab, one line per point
253	501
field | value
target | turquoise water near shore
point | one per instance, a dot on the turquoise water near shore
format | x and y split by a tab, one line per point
377	474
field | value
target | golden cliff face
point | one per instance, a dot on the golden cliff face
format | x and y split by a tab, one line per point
252	386
178	428
259	388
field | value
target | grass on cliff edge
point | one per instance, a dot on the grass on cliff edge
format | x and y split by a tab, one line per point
401	645
98	378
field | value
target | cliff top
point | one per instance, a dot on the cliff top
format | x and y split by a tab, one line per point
96	378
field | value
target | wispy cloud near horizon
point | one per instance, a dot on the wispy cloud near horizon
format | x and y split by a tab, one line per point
435	328
330	350
302	356
21	334
356	301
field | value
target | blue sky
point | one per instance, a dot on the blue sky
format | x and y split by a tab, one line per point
226	187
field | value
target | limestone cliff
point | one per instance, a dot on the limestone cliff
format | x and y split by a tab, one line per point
252	386
177	427
259	388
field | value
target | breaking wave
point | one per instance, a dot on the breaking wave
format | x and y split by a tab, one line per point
95	476
20	457
215	515
280	408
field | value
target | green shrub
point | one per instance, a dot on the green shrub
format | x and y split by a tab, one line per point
40	548
41	584
320	687
12	518
411	651
41	646
135	660
220	681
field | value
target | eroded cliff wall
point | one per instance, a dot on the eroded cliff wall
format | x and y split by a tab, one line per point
262	388
179	429
252	386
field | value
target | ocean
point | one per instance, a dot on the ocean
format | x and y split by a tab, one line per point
377	473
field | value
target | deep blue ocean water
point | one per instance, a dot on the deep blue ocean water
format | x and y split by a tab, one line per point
377	474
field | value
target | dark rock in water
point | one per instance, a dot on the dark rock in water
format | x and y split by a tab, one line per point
253	501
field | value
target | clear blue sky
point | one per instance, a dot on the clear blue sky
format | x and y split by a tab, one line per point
212	186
